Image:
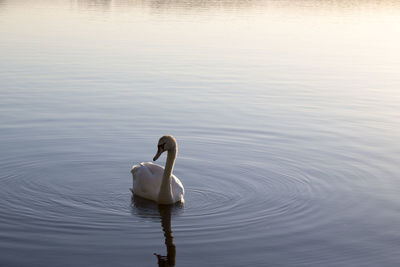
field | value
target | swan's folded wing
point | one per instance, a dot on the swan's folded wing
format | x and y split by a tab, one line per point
147	179
145	184
155	169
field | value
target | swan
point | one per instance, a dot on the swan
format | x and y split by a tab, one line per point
151	181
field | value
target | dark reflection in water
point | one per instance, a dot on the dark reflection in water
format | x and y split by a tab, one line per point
169	260
149	209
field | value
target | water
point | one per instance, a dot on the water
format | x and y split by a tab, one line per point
286	115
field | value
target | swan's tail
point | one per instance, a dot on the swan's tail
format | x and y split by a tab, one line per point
133	170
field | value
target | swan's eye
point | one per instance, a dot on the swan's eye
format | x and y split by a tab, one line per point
162	146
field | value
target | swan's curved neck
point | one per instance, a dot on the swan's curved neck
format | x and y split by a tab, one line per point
165	195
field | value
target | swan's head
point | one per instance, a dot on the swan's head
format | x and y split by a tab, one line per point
167	142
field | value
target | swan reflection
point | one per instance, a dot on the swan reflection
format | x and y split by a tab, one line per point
149	209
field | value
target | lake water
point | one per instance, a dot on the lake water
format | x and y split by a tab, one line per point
287	116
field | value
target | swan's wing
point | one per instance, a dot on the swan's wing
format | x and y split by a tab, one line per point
140	171
146	180
155	169
148	169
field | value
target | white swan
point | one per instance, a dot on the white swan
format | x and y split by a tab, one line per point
153	182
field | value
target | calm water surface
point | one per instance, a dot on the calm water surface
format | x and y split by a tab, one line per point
287	115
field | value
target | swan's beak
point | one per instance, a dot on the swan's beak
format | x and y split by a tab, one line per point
159	152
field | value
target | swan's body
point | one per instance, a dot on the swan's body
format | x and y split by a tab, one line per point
147	180
156	183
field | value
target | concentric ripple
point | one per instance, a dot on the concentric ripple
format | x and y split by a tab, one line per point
246	202
235	203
